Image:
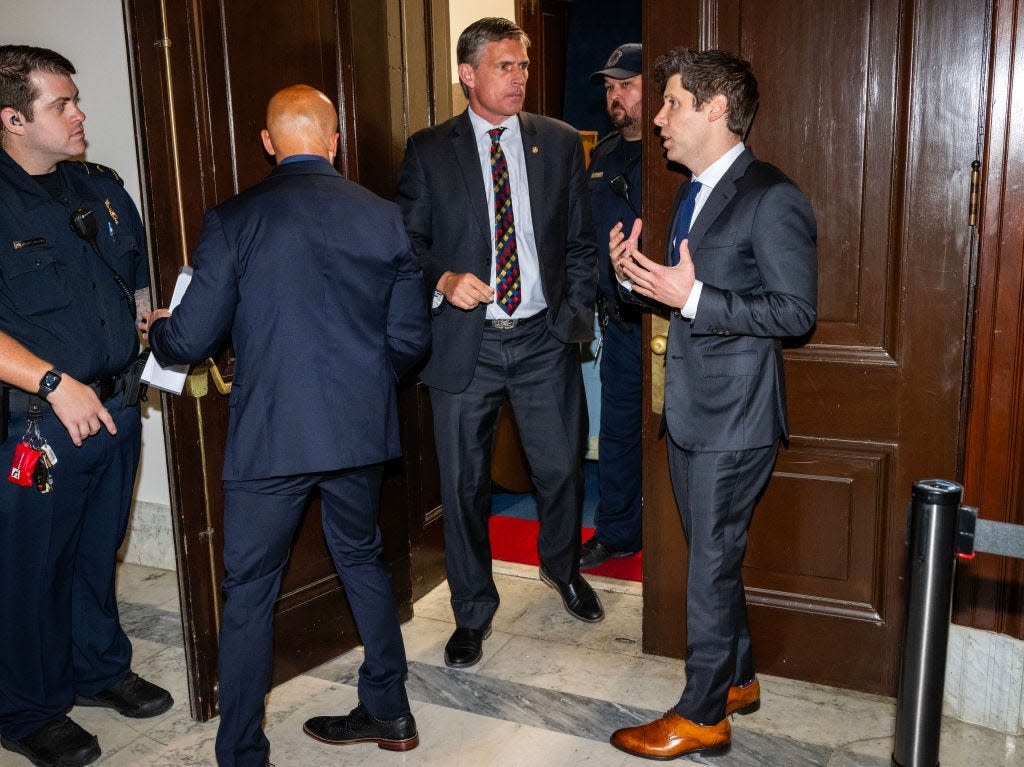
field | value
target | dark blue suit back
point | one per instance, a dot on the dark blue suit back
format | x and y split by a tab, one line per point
318	285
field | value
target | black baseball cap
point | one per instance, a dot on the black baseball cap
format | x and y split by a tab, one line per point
625	62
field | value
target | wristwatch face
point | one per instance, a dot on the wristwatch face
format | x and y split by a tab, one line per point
48	382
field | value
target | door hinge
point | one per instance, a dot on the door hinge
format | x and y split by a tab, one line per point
973	199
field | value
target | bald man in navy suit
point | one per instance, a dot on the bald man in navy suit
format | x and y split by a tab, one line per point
318	286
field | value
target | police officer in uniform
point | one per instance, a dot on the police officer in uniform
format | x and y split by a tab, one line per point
67	344
614	197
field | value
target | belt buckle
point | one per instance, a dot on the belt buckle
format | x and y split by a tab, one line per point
504	324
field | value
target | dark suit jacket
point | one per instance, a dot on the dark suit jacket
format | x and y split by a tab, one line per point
320	289
443	199
753	247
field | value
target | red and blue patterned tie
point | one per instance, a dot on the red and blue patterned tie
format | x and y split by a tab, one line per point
506	261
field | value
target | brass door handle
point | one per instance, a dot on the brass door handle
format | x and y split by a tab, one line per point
658	346
222	384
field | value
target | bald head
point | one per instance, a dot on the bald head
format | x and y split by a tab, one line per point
301	120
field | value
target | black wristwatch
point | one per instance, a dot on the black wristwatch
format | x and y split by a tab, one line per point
51	380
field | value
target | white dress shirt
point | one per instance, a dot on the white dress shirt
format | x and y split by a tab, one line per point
533	300
708	179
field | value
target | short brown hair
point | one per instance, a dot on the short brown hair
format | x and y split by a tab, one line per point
479	33
17	63
705	74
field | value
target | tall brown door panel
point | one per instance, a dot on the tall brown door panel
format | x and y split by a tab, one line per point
202	74
873	109
547	24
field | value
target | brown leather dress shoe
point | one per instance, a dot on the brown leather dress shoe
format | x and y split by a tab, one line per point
744	699
673	736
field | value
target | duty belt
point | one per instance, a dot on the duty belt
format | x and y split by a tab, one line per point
105	387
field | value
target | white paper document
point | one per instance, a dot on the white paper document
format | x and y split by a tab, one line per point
172	377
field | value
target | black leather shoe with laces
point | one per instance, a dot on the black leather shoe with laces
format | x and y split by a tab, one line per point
133	697
362	727
61	743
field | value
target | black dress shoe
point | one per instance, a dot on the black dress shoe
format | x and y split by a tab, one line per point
61	743
579	599
466	647
360	726
133	697
594	554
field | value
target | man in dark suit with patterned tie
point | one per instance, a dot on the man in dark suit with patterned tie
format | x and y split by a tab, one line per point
741	276
318	285
495	202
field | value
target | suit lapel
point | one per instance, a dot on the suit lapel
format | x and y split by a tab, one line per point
464	145
723	192
536	180
535	170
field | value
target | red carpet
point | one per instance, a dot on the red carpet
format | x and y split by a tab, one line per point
515	540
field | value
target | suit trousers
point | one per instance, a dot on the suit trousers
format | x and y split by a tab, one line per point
716	494
541	377
618	523
60	634
260	519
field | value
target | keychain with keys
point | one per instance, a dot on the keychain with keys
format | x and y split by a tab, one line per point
33	458
41	477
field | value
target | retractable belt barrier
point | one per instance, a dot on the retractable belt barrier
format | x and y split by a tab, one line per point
939	531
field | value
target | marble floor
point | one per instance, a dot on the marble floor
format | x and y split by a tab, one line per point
548	692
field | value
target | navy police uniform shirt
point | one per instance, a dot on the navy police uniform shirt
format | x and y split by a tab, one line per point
612	156
57	299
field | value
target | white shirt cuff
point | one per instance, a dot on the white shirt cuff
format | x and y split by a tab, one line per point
689	309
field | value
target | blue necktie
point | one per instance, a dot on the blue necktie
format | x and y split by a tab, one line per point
681	227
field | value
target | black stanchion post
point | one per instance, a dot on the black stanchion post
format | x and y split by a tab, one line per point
933	525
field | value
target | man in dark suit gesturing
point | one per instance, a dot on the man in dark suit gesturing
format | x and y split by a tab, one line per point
319	287
495	202
741	276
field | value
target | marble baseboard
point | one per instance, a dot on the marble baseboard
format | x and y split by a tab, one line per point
150	538
985	679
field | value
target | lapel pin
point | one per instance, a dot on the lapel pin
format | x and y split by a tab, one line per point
535	150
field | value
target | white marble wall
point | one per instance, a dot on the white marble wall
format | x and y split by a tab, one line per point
985	679
150	538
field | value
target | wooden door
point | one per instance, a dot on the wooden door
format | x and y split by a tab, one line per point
873	108
546	22
202	74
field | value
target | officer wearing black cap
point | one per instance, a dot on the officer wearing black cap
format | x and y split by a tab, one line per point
615	196
72	270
